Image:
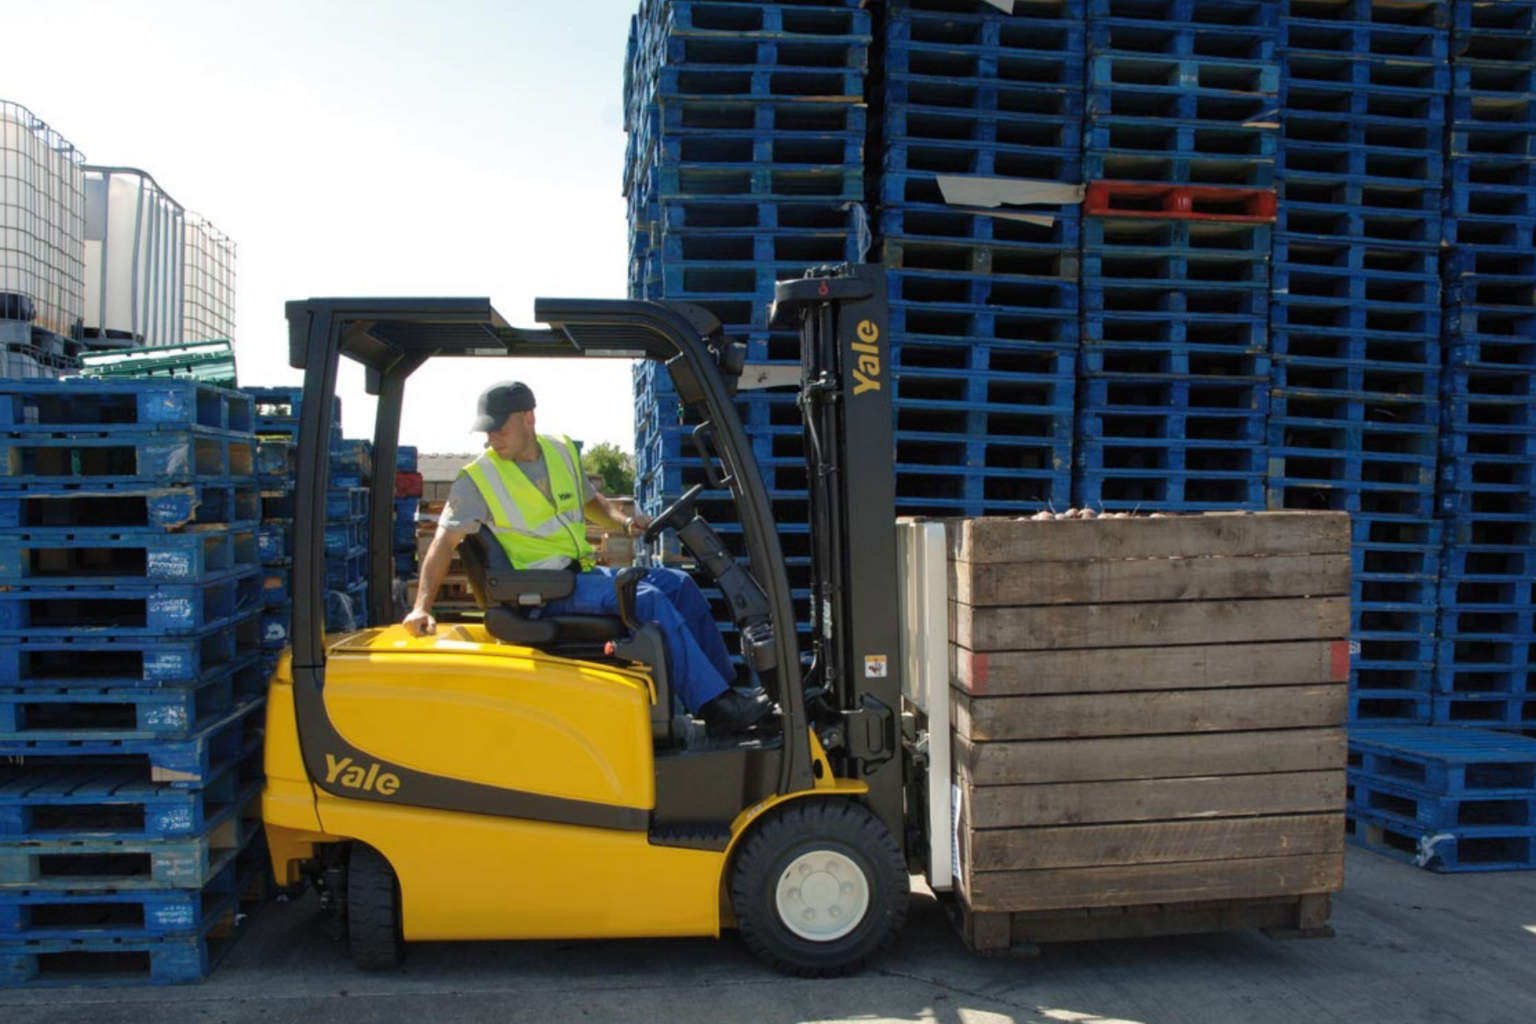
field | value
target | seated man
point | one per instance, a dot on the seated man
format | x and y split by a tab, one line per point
529	492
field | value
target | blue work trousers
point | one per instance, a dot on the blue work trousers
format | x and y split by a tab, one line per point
701	666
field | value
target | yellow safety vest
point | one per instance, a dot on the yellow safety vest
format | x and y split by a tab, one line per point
535	532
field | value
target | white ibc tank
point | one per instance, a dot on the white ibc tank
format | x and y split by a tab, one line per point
134	234
42	222
208	309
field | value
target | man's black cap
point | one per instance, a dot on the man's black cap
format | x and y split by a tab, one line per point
500	401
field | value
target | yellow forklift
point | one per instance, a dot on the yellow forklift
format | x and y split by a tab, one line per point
528	777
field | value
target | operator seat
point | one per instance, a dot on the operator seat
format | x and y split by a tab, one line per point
507	595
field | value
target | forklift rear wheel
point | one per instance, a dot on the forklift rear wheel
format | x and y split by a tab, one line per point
819	888
373	911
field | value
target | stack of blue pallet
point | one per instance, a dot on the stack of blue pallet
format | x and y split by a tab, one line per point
1179	158
131	684
745	165
406	508
1445	799
984	301
1487	665
346	535
1357	319
277	429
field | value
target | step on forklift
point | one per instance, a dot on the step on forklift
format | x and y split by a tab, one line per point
522	777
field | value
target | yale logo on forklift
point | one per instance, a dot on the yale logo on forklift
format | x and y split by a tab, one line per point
343	772
866	373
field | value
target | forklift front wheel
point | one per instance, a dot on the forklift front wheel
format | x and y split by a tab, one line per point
374	935
820	888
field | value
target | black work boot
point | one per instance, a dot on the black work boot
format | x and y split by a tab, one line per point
734	712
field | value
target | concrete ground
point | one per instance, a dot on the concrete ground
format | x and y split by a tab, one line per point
1411	947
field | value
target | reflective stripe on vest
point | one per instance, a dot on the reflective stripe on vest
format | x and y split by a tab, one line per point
535	533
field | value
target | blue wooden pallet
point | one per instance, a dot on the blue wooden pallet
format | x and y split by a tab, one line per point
117	962
275	458
61	715
1000	260
1109	298
1326	346
1131	32
112	659
1311	386
1373	707
345	535
1454	851
1355	222
1177	168
726	213
188	763
86	404
110	556
701	17
1393	800
38	609
346	502
1054	29
1496	711
1117	267
1199	75
1489	231
1405	166
347	569
1365	74
1179	103
275	541
1472	22
999	294
92	799
276	625
163	458
1190	15
836	183
1038	67
1109	234
931	490
33	917
108	863
710	51
957	320
1047	151
734	246
275	591
1354	31
759	82
980	99
1450	762
1491	140
935	221
708	149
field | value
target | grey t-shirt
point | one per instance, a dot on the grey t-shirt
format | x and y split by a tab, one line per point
466	508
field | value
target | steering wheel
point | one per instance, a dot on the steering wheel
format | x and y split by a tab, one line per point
673	515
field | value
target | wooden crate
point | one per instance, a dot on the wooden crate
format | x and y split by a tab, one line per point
1149	722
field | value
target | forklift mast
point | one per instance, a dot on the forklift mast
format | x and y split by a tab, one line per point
853	683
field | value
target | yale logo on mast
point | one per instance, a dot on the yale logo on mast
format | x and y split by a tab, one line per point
344	773
866	372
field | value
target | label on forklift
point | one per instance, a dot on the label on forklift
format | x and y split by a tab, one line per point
875	666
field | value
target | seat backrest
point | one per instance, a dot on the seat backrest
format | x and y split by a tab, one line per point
507	595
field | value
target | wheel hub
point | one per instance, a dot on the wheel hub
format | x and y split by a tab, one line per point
822	895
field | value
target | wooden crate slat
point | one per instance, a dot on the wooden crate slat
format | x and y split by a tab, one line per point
1160	842
1197	666
1150	757
1129	885
1071	540
1065	716
1100	626
1088	803
1089	581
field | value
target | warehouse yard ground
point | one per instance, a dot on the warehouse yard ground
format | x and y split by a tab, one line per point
1412	948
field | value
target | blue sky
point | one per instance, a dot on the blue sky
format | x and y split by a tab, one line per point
457	147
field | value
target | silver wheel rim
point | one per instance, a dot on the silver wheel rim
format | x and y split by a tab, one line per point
822	896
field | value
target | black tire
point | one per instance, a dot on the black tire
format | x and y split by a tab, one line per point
851	838
374	935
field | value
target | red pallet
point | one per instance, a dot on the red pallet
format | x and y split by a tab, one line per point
408	485
1185	202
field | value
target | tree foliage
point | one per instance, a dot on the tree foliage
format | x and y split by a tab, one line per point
615	467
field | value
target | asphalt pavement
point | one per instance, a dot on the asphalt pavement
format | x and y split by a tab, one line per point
1412	948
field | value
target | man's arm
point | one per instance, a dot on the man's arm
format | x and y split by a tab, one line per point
433	568
602	512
